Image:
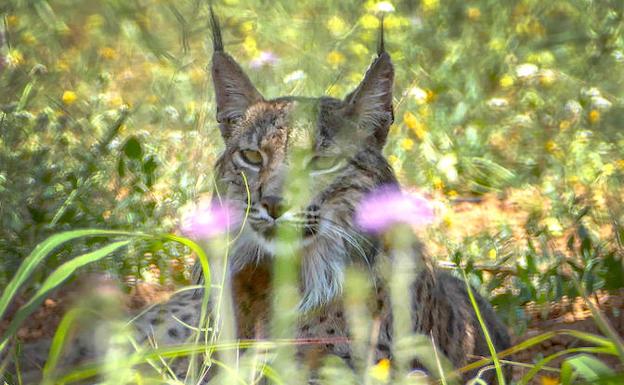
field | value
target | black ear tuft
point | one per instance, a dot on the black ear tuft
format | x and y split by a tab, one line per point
217	41
370	104
234	92
380	44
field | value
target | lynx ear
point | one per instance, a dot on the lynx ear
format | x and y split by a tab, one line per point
370	104
234	92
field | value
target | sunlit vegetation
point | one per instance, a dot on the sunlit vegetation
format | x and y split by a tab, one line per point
508	116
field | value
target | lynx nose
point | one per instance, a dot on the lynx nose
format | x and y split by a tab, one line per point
273	205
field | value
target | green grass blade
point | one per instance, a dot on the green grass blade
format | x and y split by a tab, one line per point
544	361
56	278
499	371
41	252
602	342
602	322
58	341
588	367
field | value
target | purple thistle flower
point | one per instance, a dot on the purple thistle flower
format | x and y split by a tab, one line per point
388	206
265	58
208	220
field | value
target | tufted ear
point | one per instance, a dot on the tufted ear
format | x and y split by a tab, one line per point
370	104
234	92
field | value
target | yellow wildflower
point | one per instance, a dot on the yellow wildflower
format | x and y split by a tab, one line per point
336	26
619	164
438	184
369	21
69	97
553	226
543	58
452	194
250	45
430	5
246	27
12	21
394	21
594	116
496	44
417	127
431	96
108	53
447	219
62	65
506	81
381	370
14	58
191	107
335	58
473	13
407	144
564	125
115	100
608	169
394	161
492	253
547	380
551	146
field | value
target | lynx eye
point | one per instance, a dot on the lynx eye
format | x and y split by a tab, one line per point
324	164
251	157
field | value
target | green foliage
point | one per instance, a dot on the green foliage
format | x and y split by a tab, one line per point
106	121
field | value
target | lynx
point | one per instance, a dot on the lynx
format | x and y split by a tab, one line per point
336	146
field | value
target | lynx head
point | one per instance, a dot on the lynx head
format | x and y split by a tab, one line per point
329	149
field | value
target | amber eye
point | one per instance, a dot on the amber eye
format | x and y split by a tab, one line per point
324	164
251	157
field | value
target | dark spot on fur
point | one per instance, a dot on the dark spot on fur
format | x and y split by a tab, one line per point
383	347
331	331
329	346
156	321
186	317
173	333
322	319
338	314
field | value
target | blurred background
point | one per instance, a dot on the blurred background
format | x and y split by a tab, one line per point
508	115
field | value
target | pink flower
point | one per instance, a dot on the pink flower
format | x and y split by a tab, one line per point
208	220
265	58
388	206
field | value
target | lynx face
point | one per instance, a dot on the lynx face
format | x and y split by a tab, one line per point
307	163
